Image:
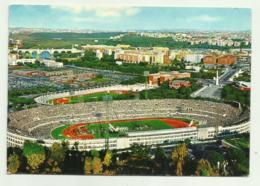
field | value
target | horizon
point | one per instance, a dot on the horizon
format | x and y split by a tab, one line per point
119	18
124	31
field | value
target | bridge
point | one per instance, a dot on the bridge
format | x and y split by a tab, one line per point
51	51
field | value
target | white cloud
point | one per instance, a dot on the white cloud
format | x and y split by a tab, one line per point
100	11
91	20
205	18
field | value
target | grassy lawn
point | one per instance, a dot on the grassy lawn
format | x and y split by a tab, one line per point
143	125
101	130
239	142
91	97
97	97
57	133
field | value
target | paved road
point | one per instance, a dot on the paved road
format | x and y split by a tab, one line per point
210	90
106	73
228	74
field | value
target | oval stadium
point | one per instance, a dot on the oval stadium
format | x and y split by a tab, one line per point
119	124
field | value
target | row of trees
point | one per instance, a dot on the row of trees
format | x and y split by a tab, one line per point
66	40
165	92
245	76
184	159
93	62
232	93
17	99
139	41
108	63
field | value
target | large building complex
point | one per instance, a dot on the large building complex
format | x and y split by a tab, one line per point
157	55
160	77
193	58
220	60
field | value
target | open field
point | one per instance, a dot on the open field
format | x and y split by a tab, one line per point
119	128
241	143
91	97
57	133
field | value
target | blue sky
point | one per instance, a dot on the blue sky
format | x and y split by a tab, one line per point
129	18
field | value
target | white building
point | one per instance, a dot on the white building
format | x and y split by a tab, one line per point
193	67
193	58
108	51
158	137
99	54
51	63
119	62
13	61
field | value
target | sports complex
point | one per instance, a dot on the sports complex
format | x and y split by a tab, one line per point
119	124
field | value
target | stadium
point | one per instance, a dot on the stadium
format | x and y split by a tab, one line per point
119	124
91	94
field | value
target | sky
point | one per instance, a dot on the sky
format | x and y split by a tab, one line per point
129	18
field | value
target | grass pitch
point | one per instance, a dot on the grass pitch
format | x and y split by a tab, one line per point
97	97
90	97
101	130
57	133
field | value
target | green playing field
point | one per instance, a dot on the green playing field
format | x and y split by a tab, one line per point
140	125
101	130
57	133
91	97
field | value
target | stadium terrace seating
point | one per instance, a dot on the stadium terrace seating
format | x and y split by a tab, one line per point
41	120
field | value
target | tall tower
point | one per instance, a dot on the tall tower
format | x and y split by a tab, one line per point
217	78
107	99
146	74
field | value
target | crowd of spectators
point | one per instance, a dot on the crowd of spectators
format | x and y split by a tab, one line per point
41	120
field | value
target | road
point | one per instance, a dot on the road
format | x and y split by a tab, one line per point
224	79
210	89
106	73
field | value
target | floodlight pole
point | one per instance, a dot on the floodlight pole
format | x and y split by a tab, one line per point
217	84
107	99
146	73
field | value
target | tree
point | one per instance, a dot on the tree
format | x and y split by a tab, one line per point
187	141
139	160
204	168
35	160
52	167
13	163
88	165
190	166
57	152
215	157
56	158
108	158
161	160
65	145
75	146
238	161
94	153
178	155
35	155
90	56
97	165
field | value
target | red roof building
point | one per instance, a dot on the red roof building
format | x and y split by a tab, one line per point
161	77
179	83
